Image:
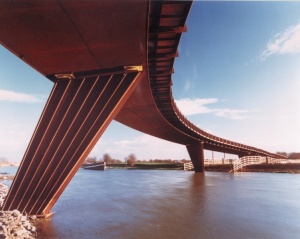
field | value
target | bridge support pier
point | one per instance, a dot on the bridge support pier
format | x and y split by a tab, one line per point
196	153
79	109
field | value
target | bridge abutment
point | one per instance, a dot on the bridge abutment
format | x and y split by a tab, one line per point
196	152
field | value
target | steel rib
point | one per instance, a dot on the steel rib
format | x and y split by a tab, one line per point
91	143
53	138
75	137
31	140
62	141
28	168
40	164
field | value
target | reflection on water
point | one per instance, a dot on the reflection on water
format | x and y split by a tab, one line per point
176	204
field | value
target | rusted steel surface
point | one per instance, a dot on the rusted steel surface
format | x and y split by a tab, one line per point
77	113
196	153
65	36
166	24
79	45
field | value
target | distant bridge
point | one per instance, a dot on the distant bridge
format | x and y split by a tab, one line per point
108	60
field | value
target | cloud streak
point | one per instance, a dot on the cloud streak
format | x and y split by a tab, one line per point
198	106
149	146
195	106
12	96
286	42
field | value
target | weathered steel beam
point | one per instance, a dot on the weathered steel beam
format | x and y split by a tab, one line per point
196	152
77	113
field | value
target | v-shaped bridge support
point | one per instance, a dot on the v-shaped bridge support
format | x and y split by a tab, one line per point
78	111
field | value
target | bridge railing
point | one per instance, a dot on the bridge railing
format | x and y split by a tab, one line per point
212	137
276	160
248	160
218	161
188	166
238	164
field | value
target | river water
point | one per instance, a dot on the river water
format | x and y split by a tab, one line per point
176	204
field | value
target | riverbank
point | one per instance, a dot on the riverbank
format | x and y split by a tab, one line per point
6	177
13	223
273	168
263	168
267	168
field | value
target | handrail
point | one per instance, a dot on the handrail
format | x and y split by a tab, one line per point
160	67
238	164
249	160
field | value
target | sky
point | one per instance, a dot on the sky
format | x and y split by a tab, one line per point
237	76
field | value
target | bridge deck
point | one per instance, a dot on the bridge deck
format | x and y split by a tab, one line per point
76	44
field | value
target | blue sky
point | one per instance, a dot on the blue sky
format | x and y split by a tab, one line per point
237	76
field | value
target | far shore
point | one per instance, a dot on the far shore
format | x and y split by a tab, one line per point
8	164
267	168
263	168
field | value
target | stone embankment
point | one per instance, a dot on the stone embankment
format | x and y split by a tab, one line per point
14	224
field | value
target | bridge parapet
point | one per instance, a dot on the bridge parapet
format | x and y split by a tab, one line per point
166	24
249	160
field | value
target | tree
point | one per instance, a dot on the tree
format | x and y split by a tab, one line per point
91	160
107	158
130	160
285	154
294	155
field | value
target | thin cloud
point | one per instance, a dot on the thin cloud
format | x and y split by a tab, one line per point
187	86
231	114
287	42
195	106
191	79
198	106
144	145
12	96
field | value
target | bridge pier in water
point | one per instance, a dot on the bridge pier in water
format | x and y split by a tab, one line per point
79	109
196	152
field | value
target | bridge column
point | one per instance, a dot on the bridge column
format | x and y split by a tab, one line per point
79	109
196	153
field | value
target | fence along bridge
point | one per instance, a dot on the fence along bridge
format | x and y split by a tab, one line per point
238	164
108	60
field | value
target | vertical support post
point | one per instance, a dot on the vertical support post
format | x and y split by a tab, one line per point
267	159
213	158
196	153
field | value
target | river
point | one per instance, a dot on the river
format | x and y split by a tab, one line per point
176	204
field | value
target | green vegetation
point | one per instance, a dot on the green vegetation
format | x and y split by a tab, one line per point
131	162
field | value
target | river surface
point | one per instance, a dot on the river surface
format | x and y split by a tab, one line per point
175	204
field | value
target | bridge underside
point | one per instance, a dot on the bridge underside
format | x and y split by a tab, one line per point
87	49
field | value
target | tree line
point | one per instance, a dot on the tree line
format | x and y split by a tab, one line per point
293	155
130	160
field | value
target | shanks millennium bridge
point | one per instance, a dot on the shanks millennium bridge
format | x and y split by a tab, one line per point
108	60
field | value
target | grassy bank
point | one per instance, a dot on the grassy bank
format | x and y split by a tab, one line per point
271	168
166	166
266	168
